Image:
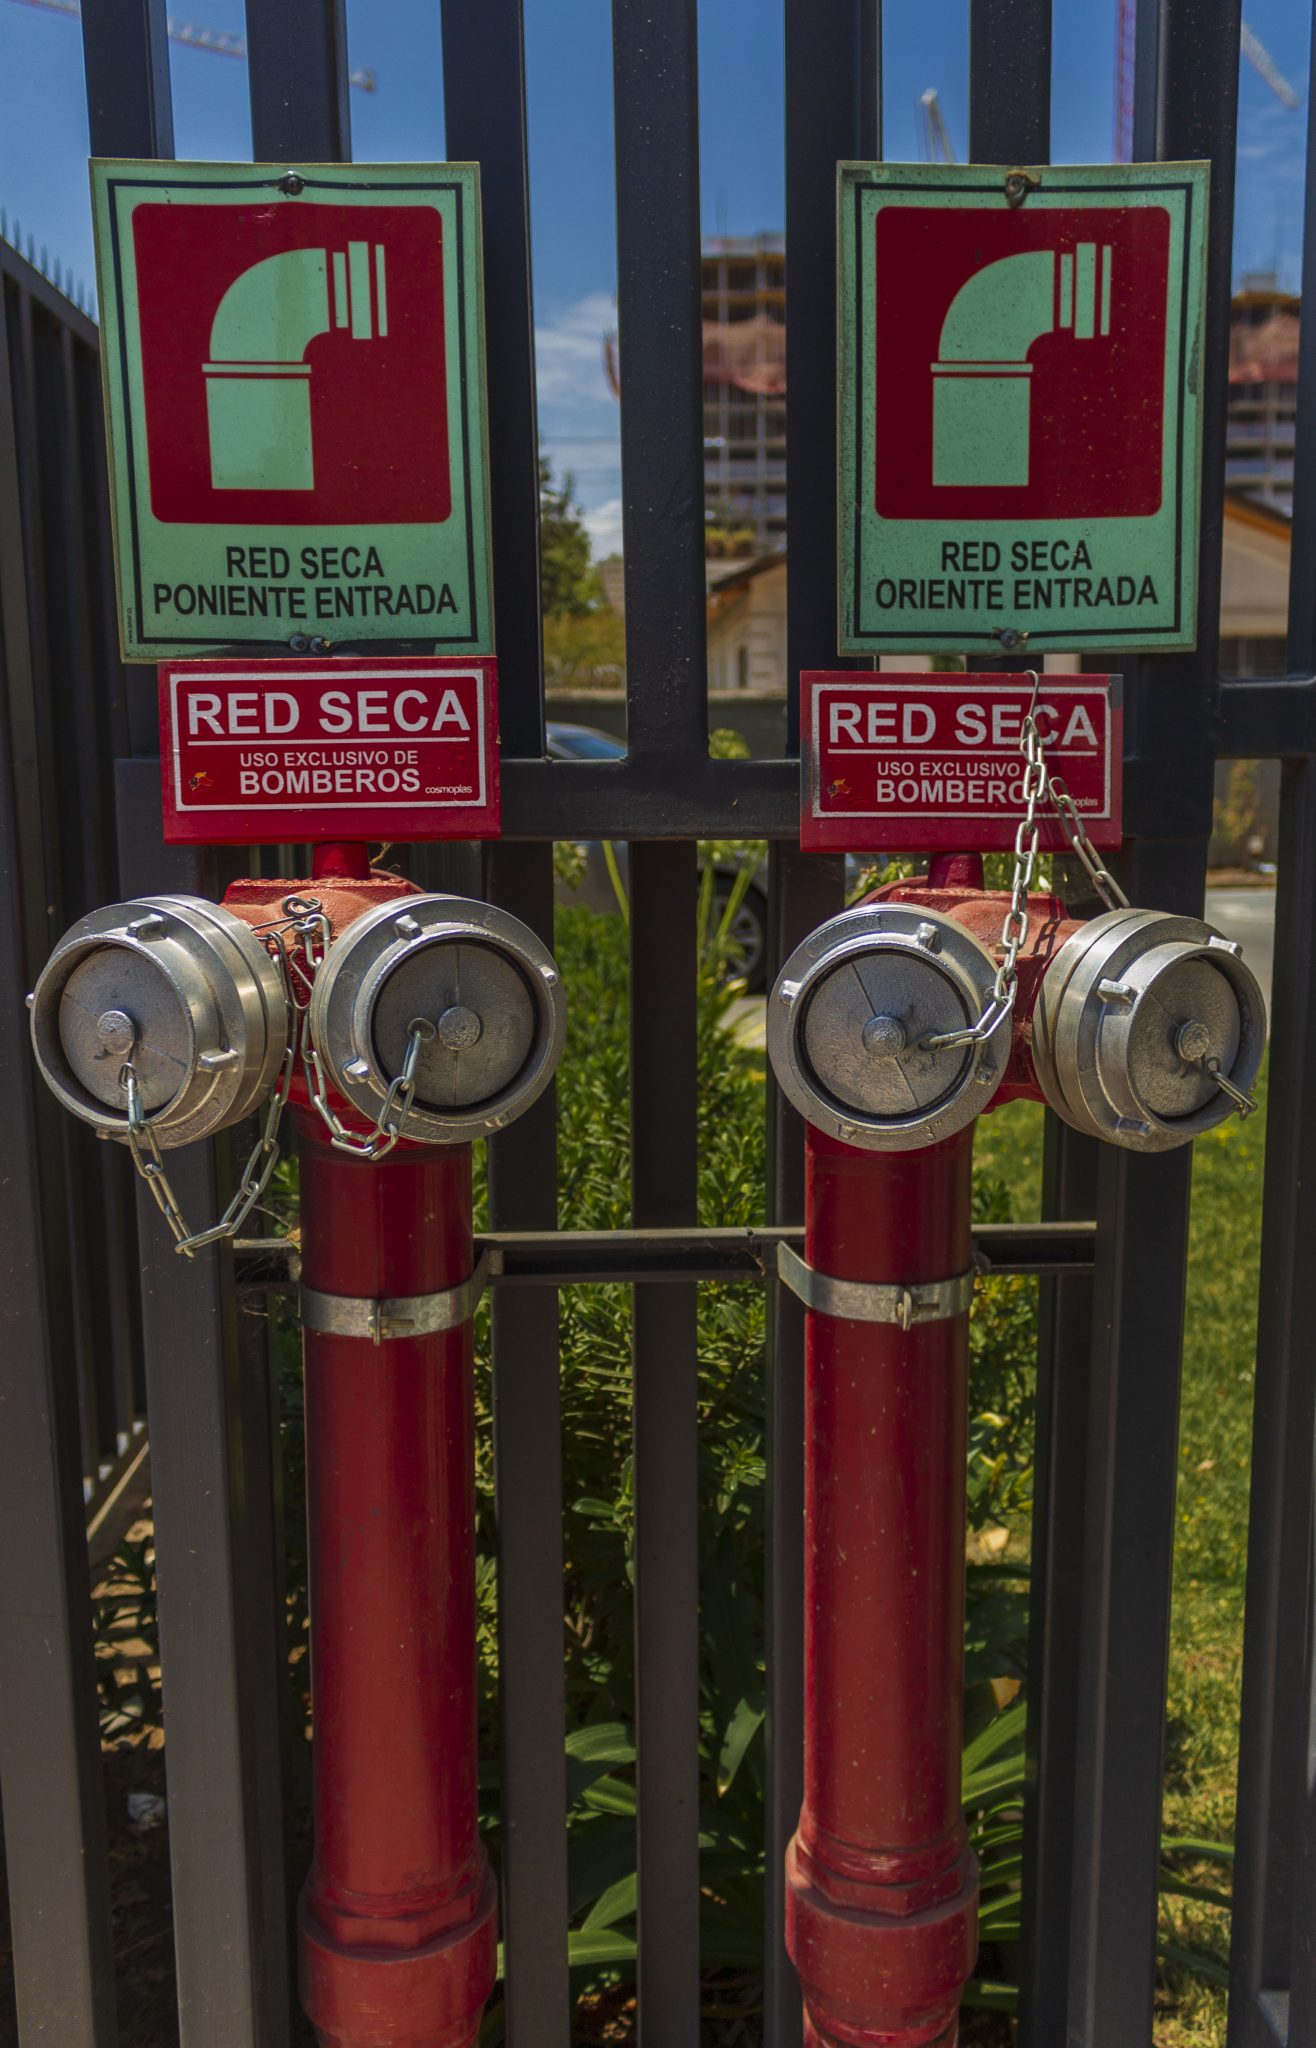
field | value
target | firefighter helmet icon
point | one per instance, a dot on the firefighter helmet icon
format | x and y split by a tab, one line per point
258	395
981	383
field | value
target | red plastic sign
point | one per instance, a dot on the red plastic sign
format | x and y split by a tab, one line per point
307	750
931	763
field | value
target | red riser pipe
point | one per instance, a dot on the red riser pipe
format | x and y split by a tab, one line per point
882	1901
398	1917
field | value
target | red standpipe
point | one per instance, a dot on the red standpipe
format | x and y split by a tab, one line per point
398	1917
882	1888
882	1901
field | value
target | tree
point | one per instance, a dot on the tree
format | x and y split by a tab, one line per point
568	582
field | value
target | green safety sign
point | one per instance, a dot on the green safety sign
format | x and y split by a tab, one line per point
1020	406
294	382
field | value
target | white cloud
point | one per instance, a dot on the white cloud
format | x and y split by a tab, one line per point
569	352
603	525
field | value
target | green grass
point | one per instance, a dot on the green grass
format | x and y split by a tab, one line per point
1211	1521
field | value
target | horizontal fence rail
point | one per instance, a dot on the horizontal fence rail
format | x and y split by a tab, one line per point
111	1338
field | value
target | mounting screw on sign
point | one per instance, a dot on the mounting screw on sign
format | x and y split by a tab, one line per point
921	762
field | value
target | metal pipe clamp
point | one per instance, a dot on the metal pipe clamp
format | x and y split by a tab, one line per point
872	1301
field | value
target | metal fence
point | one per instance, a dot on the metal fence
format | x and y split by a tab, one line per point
87	1304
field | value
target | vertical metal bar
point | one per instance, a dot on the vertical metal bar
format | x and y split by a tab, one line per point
833	113
1275	1829
528	1500
1010	81
803	891
221	1726
660	326
229	1931
1055	1600
297	75
125	46
1142	1208
485	111
50	1771
664	1105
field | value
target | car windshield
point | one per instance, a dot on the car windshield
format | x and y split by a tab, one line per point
589	745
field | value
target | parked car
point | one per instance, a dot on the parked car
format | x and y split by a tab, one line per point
748	932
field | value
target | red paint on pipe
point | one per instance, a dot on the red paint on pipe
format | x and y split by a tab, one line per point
398	1917
955	871
340	860
882	1903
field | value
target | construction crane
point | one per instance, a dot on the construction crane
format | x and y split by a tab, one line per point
934	134
1250	43
220	42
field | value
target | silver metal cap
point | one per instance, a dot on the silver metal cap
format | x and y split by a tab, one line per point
849	1017
179	986
480	977
1140	1014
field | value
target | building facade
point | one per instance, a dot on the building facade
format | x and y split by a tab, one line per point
1263	386
744	294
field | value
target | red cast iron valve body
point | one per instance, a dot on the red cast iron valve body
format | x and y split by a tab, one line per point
398	1918
882	1887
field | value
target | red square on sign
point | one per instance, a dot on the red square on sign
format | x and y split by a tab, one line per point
1020	362
293	363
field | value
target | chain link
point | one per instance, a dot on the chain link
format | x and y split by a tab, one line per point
305	918
1040	787
396	1105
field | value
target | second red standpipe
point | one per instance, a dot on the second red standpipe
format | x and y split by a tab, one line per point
887	1031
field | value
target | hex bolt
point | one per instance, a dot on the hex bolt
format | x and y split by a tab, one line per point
885	1038
1192	1041
117	1032
291	183
459	1028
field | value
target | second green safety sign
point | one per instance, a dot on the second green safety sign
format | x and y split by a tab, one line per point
1020	400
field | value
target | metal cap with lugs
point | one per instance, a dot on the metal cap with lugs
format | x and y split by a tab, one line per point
850	1017
1148	1030
183	991
487	991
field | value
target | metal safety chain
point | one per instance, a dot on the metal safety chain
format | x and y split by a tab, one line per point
1040	787
305	918
394	1109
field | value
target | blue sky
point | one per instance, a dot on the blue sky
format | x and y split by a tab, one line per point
43	147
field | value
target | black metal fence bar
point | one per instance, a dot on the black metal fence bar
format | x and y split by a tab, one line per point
1275	1828
221	1727
50	1768
485	103
1143	1205
1069	1189
660	333
656	111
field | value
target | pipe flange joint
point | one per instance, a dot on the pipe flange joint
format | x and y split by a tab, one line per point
851	1015
485	984
1141	1020
182	989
